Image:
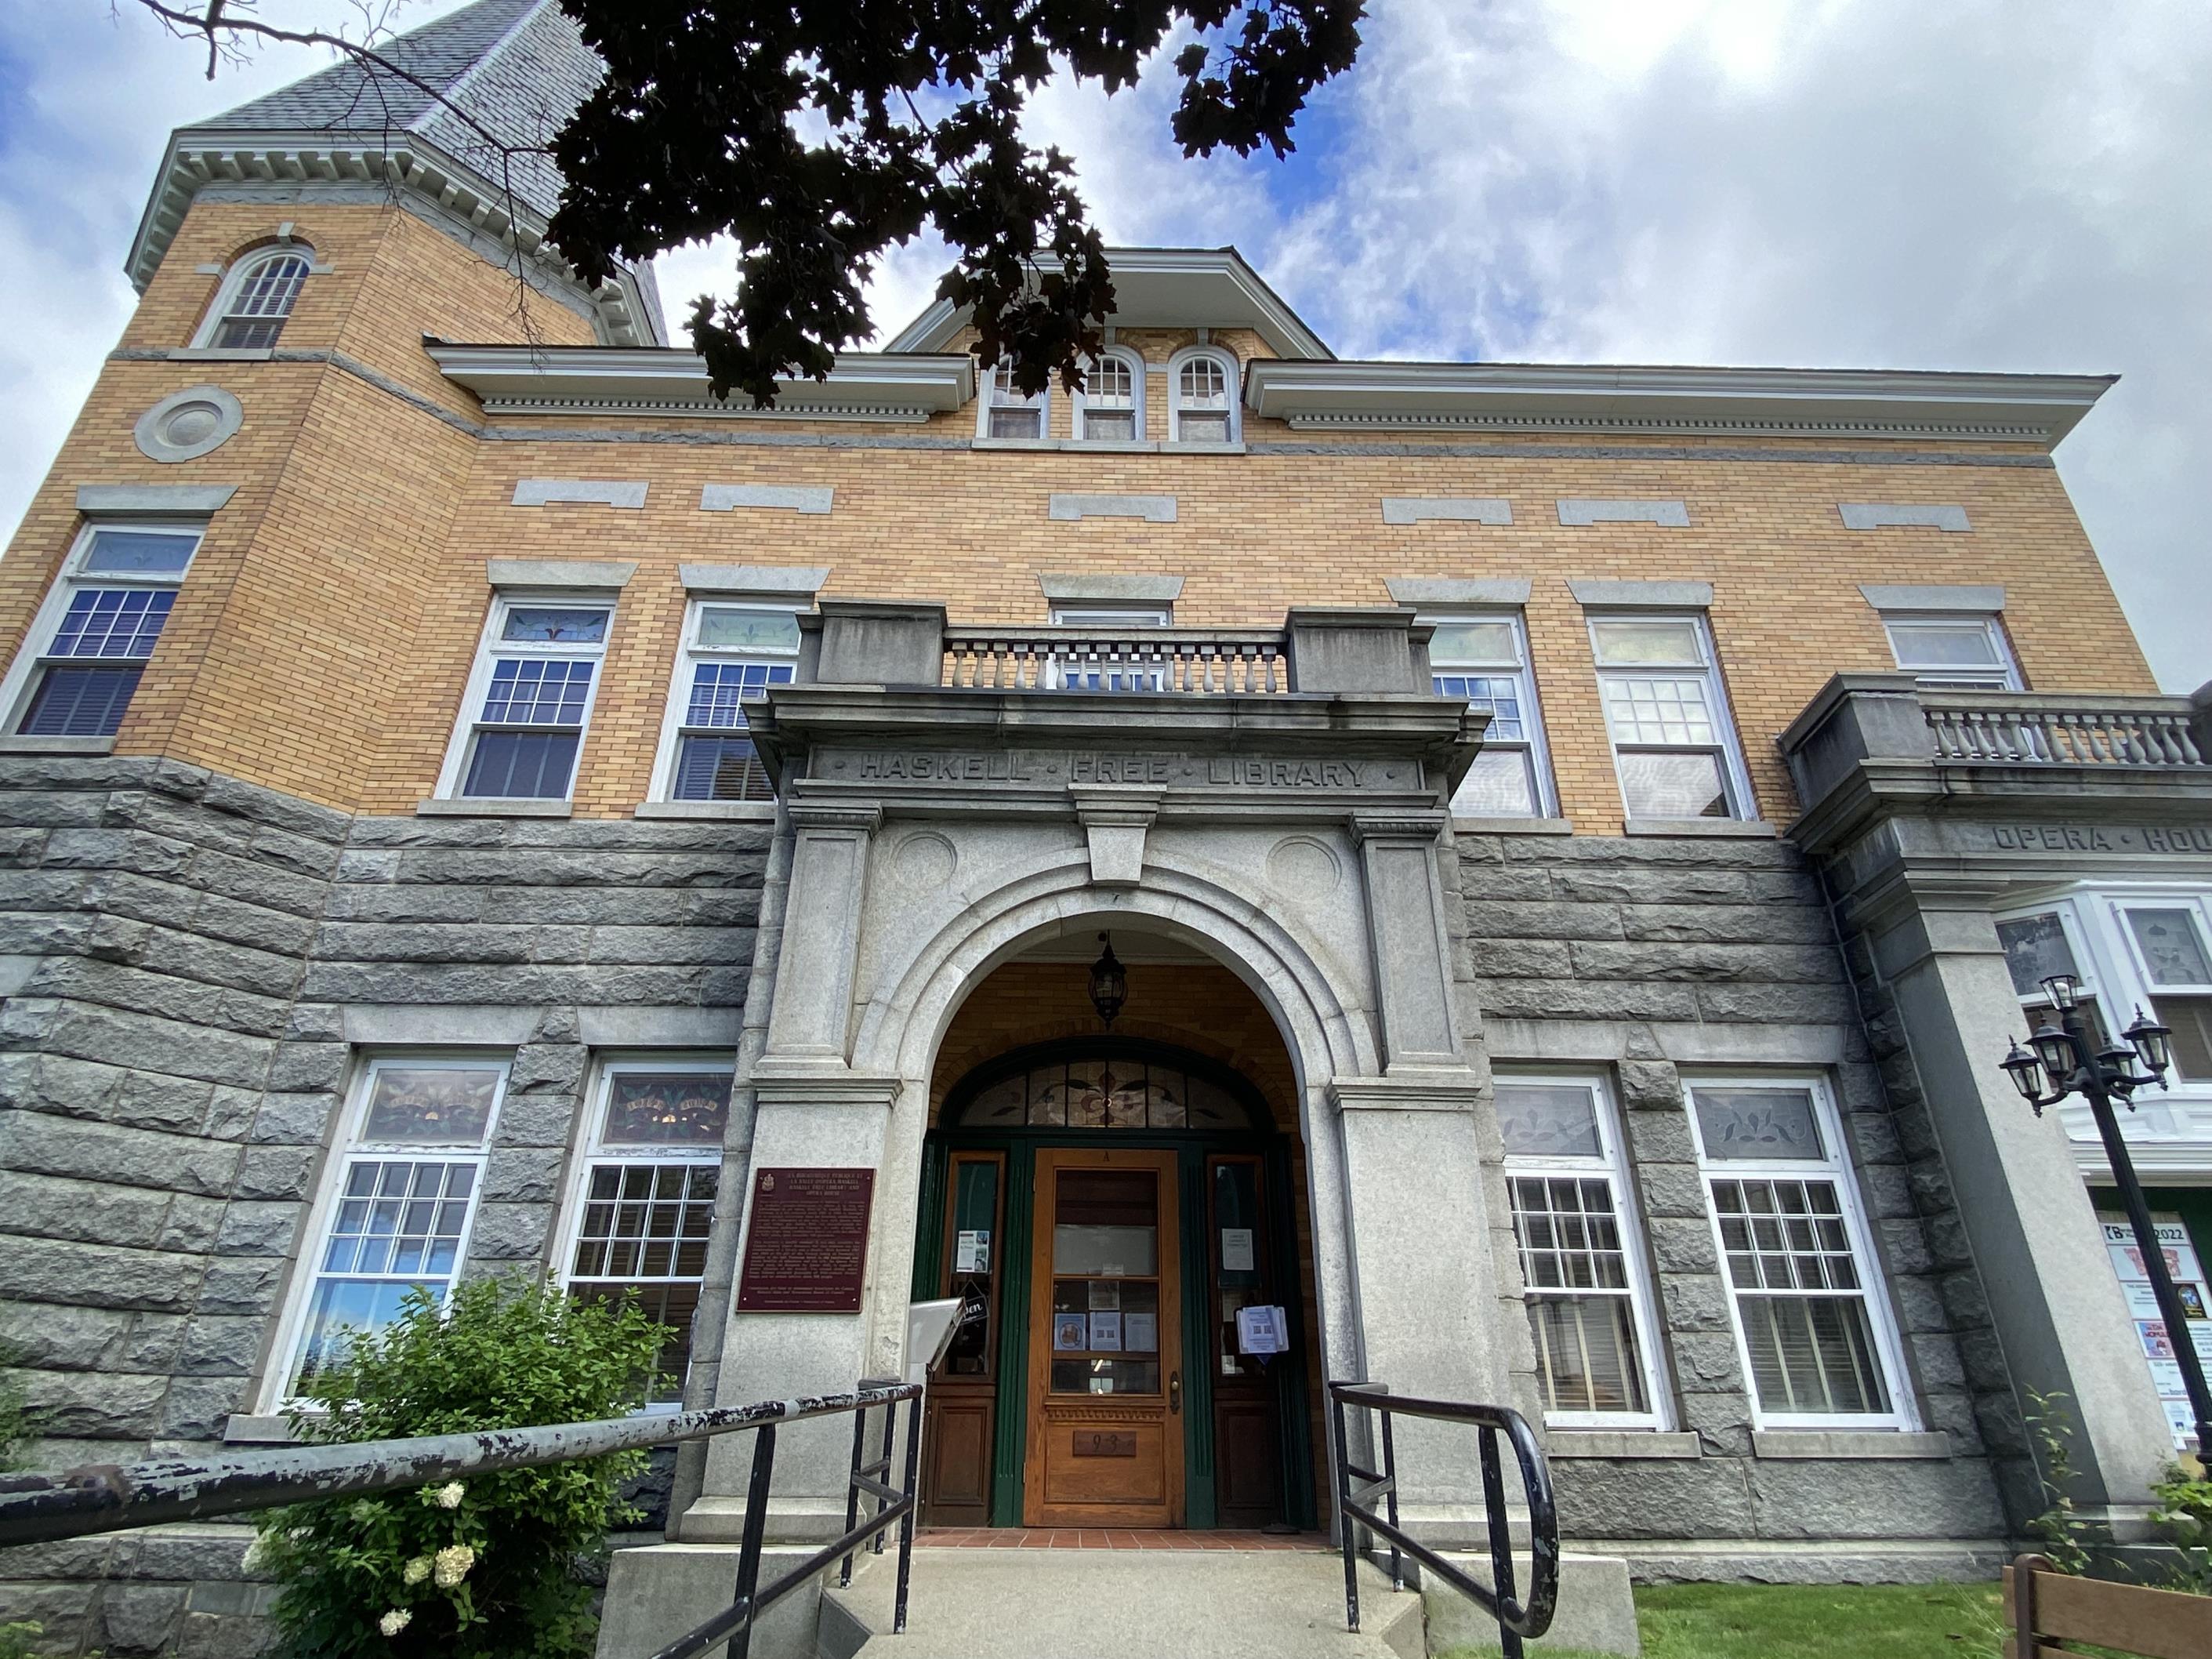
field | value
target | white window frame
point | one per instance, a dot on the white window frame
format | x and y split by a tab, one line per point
349	1146
989	396
1736	778
1873	1283
1108	618
491	650
1532	743
234	283
2130	977
588	1150
28	672
1612	1163
690	653
1135	364
2002	676
1232	381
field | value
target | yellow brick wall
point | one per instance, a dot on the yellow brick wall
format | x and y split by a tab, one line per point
324	635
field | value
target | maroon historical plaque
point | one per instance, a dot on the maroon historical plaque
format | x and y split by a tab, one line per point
807	1247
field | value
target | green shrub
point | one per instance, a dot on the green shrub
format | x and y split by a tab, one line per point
2184	1511
495	1564
15	1432
2064	1535
15	1640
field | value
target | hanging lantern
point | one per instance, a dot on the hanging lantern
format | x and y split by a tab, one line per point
1110	982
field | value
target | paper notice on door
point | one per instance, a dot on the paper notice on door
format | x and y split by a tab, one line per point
1067	1333
1140	1332
1105	1333
1236	1249
1105	1293
971	1252
1260	1330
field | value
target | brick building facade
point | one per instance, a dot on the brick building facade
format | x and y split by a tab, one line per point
1569	830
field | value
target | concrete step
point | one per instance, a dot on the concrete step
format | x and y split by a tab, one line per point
1120	1604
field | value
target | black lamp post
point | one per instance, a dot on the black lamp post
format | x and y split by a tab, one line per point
2065	1061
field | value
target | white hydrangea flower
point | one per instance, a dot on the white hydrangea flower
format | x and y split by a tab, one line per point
256	1557
447	1497
416	1570
395	1621
453	1566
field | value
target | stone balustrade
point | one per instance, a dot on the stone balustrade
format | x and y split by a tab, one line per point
2024	728
1246	661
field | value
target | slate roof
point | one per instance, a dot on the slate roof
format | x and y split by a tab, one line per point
517	68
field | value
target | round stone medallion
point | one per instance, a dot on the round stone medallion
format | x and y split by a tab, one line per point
187	424
925	858
1301	867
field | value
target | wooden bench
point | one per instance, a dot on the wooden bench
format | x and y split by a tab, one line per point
2055	1610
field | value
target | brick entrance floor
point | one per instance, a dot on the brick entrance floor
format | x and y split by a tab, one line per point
1110	1538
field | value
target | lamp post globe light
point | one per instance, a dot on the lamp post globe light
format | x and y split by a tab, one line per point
2064	1060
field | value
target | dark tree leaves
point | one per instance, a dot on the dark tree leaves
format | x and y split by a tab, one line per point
817	133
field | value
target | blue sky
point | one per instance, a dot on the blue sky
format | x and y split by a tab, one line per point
1976	184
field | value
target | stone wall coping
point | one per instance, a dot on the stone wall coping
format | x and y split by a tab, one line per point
1398	618
491	808
743	812
1460	590
1600	1042
781	581
1592	592
438	1025
1916	596
1061	586
19	744
1751	828
1800	1443
1513	826
153	501
601	575
1620	1443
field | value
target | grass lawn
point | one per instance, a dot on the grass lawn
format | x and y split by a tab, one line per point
1813	1621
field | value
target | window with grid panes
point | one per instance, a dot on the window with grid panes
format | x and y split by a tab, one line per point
1202	403
98	628
530	699
1007	413
1587	1293
403	1194
1674	744
1112	405
645	1200
732	653
255	301
1484	659
2037	944
1968	652
1804	1292
1114	658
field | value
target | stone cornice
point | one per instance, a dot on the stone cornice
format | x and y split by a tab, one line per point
863	385
2038	409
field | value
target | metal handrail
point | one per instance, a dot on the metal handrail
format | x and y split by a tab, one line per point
1357	1487
111	1497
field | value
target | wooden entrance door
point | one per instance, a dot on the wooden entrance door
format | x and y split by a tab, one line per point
1105	1383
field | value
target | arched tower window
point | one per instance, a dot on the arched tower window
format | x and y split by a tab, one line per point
1112	404
255	299
1203	405
1006	413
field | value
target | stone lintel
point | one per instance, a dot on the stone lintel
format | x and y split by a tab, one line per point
1603	1042
1916	596
1084	587
1740	829
603	574
1848	1443
1902	516
1466	509
1152	509
153	501
659	1027
431	1025
1598	595
1588	510
789	498
600	492
1460	590
799	582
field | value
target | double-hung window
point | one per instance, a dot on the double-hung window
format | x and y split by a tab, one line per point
1202	407
1112	405
401	1195
1484	659
1674	741
644	1202
732	654
255	301
1112	655
2168	939
1817	1339
97	628
1007	413
529	699
1582	1262
1963	653
2040	943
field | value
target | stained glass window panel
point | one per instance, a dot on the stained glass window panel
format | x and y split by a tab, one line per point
1548	1120
664	1108
1468	643
551	625
1759	1124
431	1105
1652	641
731	627
2171	949
2035	948
140	552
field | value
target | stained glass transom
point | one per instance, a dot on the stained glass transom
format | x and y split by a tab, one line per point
431	1105
1106	1094
667	1109
1759	1124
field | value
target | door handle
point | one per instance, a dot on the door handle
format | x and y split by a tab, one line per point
1175	1393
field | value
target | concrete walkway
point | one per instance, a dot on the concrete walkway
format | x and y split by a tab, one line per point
1120	1604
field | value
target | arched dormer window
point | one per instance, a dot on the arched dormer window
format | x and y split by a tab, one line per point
1202	398
255	299
1006	413
1111	406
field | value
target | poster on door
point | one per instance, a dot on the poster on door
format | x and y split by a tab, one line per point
2187	1273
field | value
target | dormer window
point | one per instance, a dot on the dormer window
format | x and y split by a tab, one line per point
1007	412
256	298
1203	410
1112	405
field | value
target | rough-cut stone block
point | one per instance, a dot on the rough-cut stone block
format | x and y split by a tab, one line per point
59	1338
1540	999
1542	922
1627	884
91	1405
259	1229
195	1407
510	1232
38	1144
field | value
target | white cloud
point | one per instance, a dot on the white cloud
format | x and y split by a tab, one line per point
1987	184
